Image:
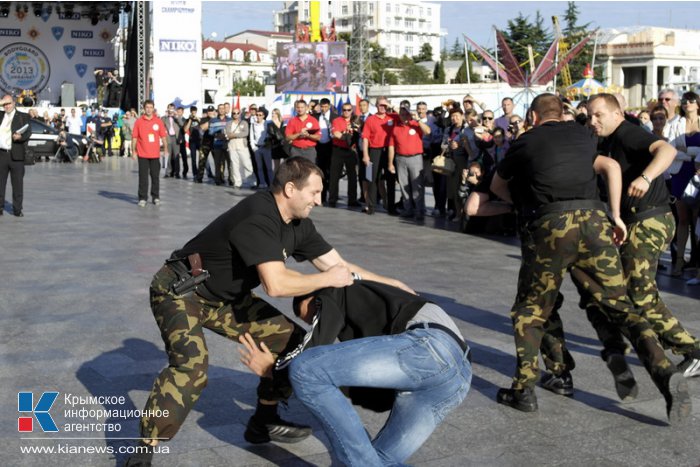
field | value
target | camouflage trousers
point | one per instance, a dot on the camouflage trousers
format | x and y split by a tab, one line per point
182	320
640	254
202	162
558	242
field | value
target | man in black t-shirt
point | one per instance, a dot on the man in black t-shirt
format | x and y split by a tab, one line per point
206	141
245	247
552	169
645	209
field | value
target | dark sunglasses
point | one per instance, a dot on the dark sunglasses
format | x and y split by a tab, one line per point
665	99
236	113
688	101
516	122
487	118
347	110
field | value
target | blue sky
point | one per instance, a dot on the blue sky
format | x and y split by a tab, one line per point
476	18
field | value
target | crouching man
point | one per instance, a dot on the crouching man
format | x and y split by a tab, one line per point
390	340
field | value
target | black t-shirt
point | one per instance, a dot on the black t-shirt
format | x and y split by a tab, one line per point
207	138
251	233
549	163
629	146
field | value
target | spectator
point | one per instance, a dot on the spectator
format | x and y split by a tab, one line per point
127	132
376	134
437	129
148	134
261	146
455	143
324	147
507	106
275	132
237	132
344	130
303	133
73	123
645	119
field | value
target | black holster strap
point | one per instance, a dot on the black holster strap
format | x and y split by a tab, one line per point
632	217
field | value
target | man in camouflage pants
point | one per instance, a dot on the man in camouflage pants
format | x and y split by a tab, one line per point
551	169
245	247
645	209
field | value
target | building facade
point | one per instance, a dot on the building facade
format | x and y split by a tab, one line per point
644	60
226	63
400	27
268	40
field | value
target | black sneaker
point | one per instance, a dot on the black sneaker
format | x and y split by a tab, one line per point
678	402
562	384
280	430
625	384
523	400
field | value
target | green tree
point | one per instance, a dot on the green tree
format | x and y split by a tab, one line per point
248	87
457	50
425	54
573	34
439	72
415	74
461	77
522	33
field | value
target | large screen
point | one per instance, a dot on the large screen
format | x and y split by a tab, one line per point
312	67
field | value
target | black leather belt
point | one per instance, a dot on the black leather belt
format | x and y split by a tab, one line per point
428	325
409	155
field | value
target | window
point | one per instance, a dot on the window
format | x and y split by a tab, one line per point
409	23
371	8
220	77
388	22
238	55
224	54
420	12
409	38
397	10
344	10
209	53
397	22
397	51
409	11
430	12
252	56
409	51
205	73
388	7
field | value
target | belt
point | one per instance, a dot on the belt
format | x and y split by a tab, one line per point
652	211
428	325
410	155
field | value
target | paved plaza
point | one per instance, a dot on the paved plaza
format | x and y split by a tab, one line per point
75	318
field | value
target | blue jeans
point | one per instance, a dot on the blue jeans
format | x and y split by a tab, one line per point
428	369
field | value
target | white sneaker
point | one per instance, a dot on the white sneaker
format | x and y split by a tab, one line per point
142	203
693	281
690	367
156	201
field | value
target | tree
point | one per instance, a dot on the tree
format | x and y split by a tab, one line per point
573	34
439	72
415	74
248	87
461	77
457	50
425	54
521	33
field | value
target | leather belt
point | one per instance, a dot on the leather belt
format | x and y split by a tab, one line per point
428	325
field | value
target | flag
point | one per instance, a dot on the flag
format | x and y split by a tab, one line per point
339	106
357	103
238	101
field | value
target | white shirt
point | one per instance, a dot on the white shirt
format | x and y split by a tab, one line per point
74	124
6	131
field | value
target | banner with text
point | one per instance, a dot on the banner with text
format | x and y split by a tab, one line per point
40	53
177	53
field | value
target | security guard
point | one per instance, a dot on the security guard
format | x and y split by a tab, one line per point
552	170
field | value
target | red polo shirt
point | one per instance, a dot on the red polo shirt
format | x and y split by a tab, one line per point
378	130
147	134
340	124
296	124
407	138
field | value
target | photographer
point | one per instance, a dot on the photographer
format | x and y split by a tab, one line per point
67	149
344	131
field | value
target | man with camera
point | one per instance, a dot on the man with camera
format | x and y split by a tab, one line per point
344	131
67	149
406	149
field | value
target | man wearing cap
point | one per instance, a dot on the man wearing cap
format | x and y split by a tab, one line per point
105	132
206	144
13	139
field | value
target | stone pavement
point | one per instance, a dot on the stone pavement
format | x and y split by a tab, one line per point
74	318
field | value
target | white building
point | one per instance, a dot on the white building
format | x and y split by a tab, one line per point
643	60
225	63
400	27
265	39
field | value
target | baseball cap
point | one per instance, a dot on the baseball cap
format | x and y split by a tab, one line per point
211	108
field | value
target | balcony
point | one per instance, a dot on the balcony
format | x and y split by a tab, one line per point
627	50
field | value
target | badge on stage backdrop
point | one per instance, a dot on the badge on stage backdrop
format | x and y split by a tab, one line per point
411	132
81	69
69	50
57	32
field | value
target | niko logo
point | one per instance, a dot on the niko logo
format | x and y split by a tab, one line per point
25	404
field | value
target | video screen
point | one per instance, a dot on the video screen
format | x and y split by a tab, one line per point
312	67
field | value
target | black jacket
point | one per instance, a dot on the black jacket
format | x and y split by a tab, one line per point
18	147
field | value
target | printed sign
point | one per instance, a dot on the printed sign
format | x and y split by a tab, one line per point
24	66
